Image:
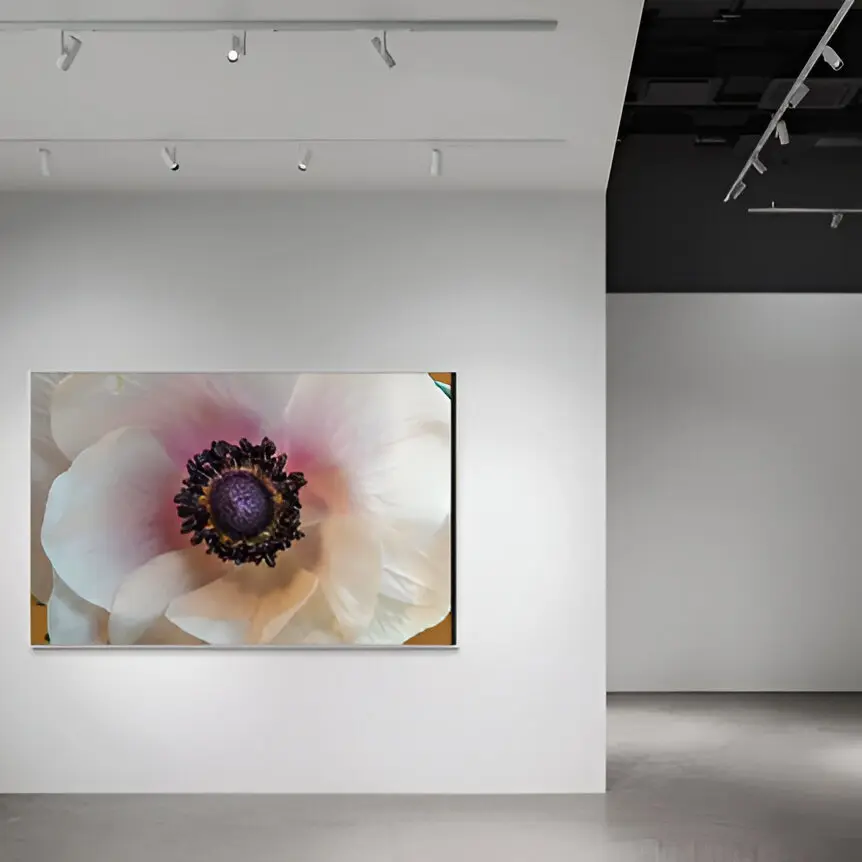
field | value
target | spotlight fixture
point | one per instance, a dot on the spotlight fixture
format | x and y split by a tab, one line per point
237	47
830	55
381	47
44	162
801	91
738	189
436	163
169	157
69	45
782	134
758	166
837	218
797	91
304	161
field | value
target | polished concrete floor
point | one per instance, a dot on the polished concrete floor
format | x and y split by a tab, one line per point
691	778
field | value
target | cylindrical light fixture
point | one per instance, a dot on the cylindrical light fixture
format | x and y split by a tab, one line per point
69	47
436	163
169	157
44	162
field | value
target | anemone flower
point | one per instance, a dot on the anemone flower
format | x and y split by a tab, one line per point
236	509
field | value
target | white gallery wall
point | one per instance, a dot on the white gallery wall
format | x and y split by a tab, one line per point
505	289
734	492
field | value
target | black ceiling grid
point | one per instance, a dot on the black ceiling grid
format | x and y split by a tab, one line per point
706	77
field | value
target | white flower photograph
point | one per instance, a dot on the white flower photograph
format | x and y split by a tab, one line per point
242	509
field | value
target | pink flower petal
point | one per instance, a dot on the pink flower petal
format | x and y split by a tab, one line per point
374	443
185	411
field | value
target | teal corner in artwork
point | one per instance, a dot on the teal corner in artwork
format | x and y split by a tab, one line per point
445	387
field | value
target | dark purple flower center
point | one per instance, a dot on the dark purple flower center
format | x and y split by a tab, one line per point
241	505
238	500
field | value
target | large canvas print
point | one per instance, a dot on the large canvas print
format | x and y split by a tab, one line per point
242	509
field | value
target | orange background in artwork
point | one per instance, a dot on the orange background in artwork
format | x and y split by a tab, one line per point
440	635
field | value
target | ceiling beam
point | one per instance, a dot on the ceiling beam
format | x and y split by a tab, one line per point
727	122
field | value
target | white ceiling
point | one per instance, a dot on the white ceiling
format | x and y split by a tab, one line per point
508	110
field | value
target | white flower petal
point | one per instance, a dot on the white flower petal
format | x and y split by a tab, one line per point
354	416
350	571
46	463
72	621
42	386
241	608
165	633
411	481
395	622
187	411
108	513
416	571
389	434
314	624
277	608
45	466
144	596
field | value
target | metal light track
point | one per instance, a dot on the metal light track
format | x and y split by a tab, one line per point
837	213
785	104
804	211
449	142
516	25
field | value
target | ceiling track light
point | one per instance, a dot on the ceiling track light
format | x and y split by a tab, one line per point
782	134
379	43
830	56
436	163
304	161
237	47
169	157
44	162
795	94
836	215
294	25
69	48
758	166
738	189
800	91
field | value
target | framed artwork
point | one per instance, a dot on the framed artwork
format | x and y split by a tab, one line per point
254	510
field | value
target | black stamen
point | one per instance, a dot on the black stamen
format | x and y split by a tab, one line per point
239	502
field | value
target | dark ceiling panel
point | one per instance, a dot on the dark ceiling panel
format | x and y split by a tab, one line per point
696	69
702	91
